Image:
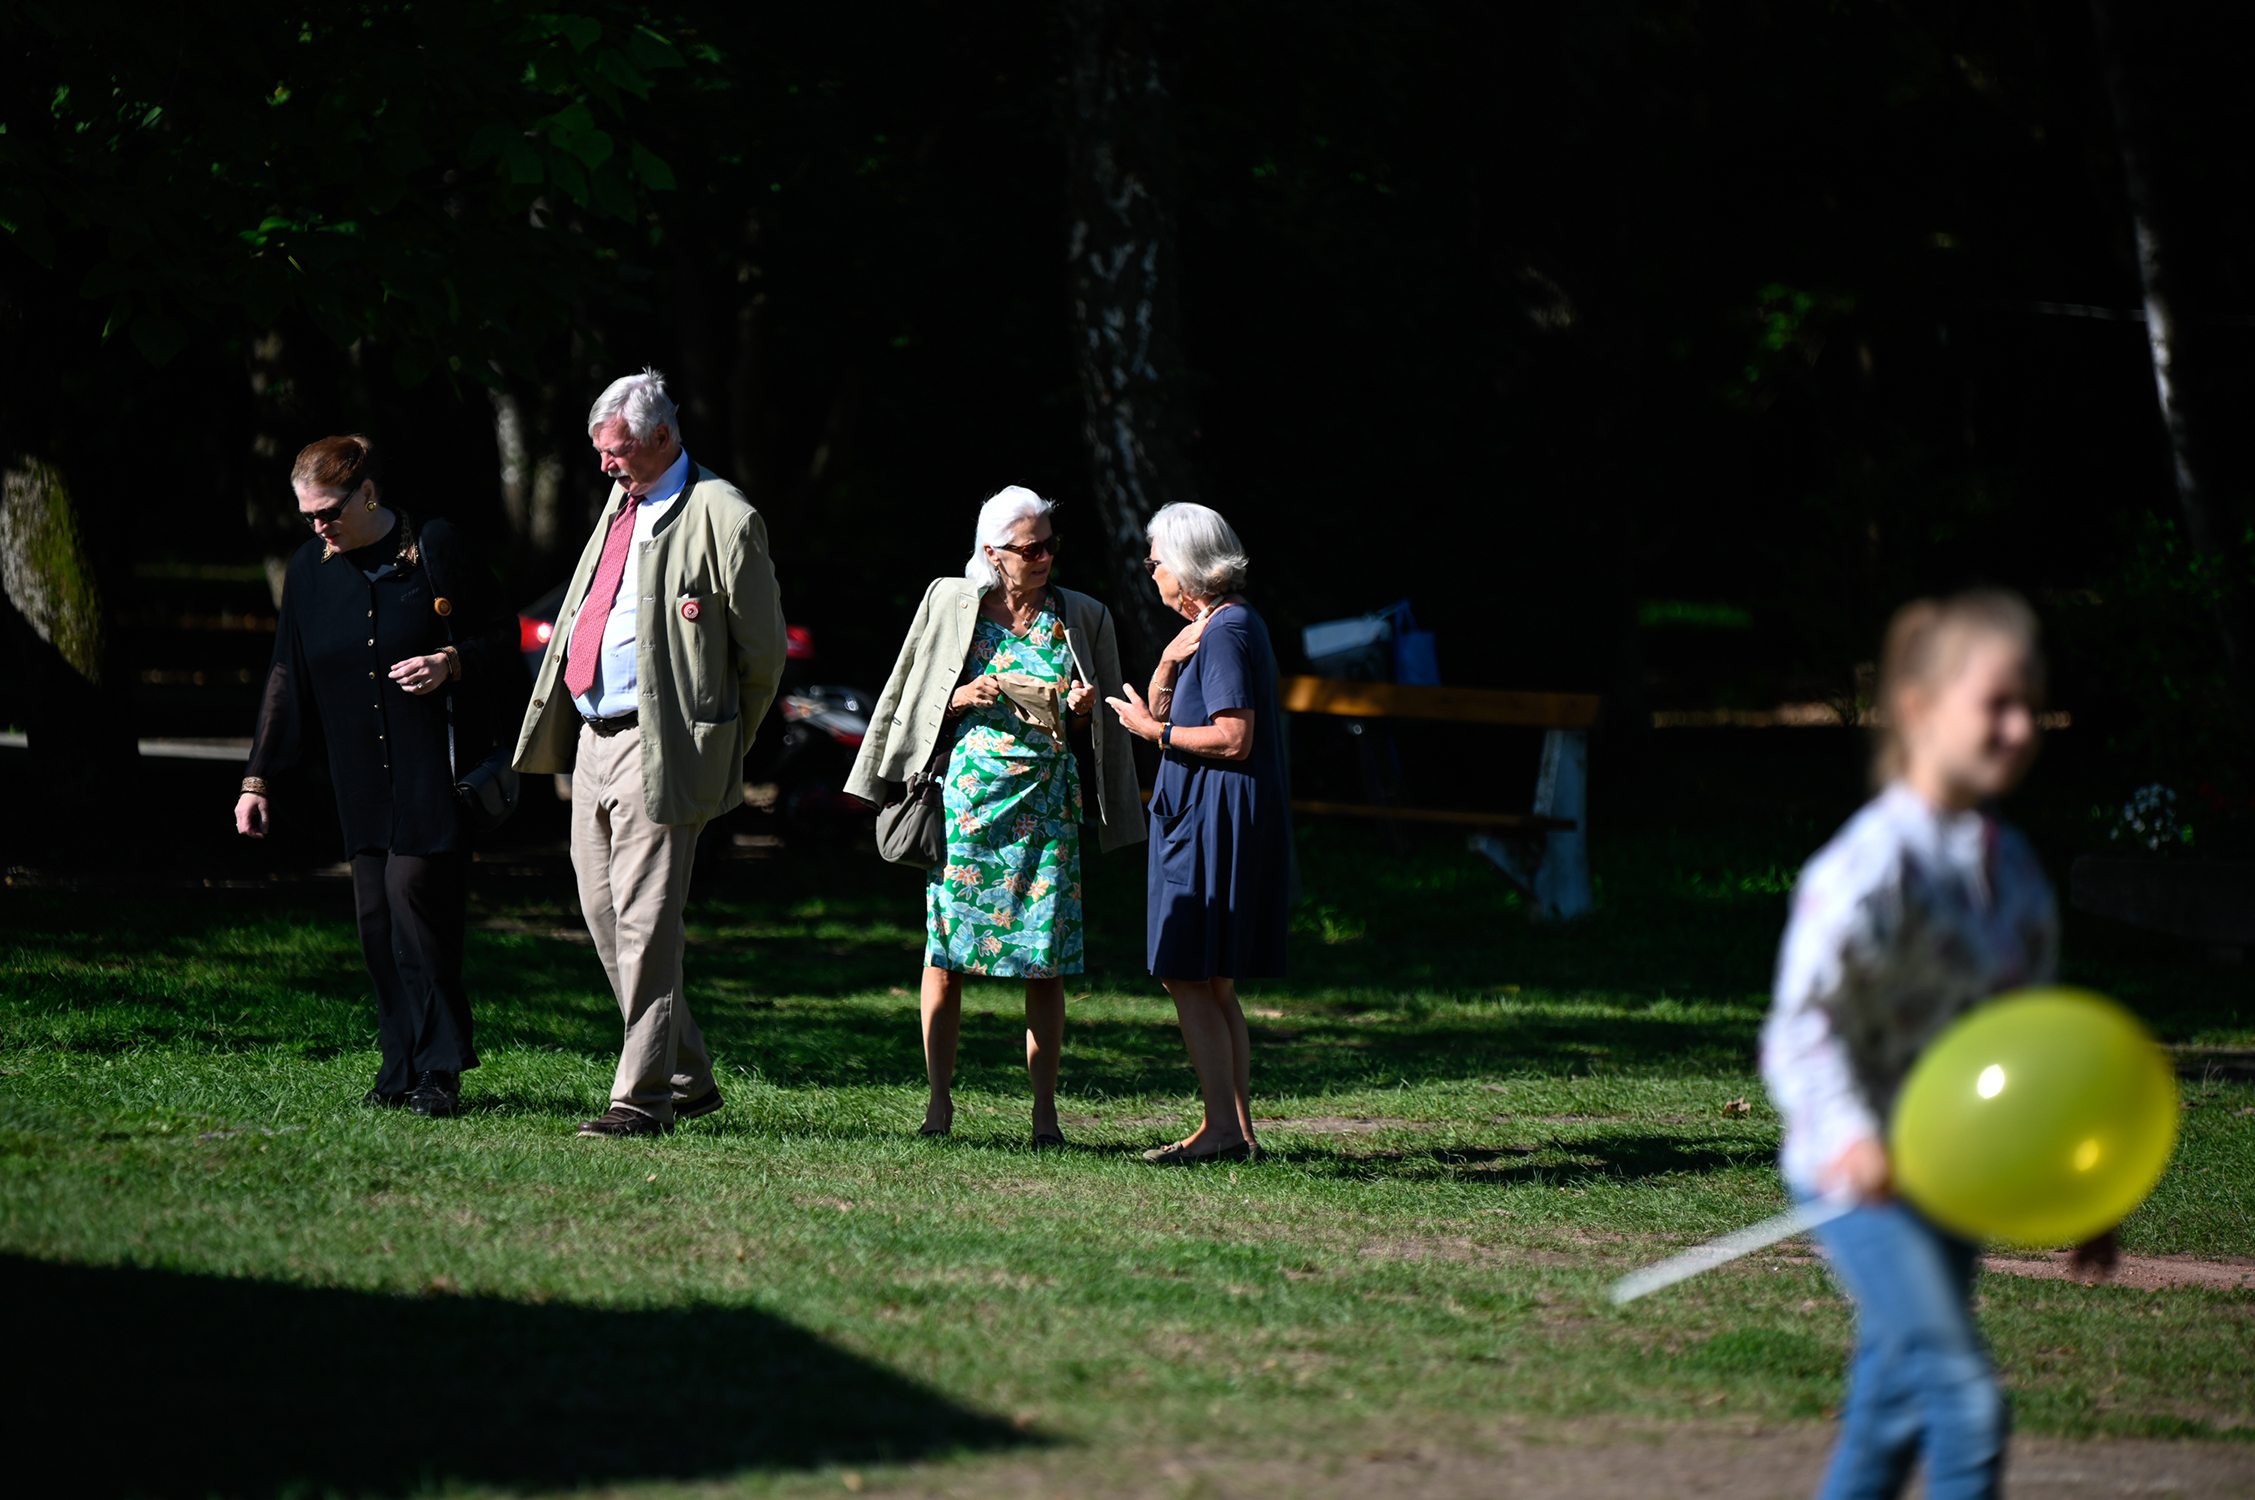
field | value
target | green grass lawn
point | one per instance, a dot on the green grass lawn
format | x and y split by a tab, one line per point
1475	1124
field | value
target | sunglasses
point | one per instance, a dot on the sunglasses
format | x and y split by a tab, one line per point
1040	547
327	515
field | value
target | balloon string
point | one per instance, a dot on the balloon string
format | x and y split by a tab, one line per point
1797	1220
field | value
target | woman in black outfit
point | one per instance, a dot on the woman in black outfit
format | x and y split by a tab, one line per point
371	651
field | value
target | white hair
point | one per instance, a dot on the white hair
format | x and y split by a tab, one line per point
1004	509
1199	548
642	400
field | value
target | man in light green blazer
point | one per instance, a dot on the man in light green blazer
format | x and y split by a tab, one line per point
664	660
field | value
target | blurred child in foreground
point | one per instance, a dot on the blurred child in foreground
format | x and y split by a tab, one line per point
1921	908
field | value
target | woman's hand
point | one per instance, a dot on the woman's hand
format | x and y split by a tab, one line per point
1862	1172
1135	715
1185	644
1080	699
2095	1259
980	692
250	815
421	674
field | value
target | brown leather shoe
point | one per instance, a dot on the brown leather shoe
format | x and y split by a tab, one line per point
706	1103
618	1120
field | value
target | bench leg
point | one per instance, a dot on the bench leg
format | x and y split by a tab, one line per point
1561	884
1552	869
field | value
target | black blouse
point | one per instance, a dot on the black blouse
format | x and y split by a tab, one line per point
341	631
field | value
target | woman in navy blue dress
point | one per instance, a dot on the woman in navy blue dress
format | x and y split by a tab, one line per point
1222	874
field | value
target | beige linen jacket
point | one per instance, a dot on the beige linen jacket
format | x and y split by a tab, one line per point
708	653
912	710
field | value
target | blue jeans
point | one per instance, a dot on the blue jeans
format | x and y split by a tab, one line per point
1921	1384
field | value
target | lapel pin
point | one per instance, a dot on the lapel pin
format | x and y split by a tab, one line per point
689	610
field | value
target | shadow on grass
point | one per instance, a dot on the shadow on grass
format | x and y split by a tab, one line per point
1556	1164
156	1383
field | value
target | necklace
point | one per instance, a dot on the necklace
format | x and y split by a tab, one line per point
409	553
1016	618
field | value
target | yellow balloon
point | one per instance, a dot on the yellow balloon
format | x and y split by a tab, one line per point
2039	1119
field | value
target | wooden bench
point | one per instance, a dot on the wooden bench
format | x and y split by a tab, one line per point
1545	852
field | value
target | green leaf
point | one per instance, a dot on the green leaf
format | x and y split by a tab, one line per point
614	69
488	142
572	119
569	179
521	164
648	49
592	147
651	169
582	32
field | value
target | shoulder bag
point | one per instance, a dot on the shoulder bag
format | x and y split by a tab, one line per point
911	826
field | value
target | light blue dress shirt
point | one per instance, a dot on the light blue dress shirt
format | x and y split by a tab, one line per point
615	680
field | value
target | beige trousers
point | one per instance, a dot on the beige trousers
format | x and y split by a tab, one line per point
634	889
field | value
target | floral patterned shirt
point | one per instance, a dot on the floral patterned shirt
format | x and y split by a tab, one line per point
1906	920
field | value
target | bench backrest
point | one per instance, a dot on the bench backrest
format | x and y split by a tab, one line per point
1458	705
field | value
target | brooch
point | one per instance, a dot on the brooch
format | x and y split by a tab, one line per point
443	605
689	610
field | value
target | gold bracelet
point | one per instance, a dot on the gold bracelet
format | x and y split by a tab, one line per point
255	785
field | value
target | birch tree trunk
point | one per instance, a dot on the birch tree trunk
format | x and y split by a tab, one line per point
1120	160
532	470
2164	340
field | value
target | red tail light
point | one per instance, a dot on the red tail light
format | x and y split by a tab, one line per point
532	634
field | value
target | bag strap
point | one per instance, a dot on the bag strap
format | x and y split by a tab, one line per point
446	622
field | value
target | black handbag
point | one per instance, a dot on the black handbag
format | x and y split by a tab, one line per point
912	826
486	792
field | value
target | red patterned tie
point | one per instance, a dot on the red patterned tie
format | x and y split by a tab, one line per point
586	648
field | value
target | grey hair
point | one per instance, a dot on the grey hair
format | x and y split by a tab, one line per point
1004	509
1200	549
642	400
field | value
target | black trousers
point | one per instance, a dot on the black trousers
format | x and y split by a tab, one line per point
413	911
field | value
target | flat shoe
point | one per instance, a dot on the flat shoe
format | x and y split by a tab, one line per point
1180	1155
436	1095
706	1103
617	1122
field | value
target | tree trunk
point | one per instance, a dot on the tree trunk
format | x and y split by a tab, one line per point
2164	342
1121	254
532	473
268	508
72	702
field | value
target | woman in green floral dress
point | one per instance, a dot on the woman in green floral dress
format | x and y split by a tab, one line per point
1007	902
996	676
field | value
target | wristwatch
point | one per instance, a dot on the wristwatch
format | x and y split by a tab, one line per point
1166	736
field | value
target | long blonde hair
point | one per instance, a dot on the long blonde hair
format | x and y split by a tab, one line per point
1927	641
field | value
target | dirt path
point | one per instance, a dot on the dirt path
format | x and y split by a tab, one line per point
1581	1460
2147	1273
